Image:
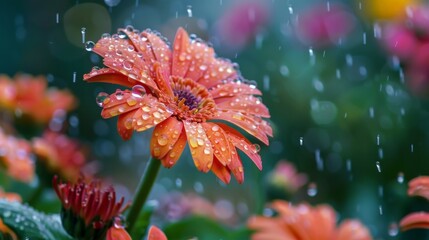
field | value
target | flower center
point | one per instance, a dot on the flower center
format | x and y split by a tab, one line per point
192	101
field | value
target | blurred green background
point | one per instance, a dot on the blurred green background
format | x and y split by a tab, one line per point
341	112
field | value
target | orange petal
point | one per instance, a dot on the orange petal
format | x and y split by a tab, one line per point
117	233
200	57
233	89
108	75
235	165
174	154
200	146
125	125
120	55
219	142
164	137
156	234
352	229
419	186
180	64
245	122
161	80
245	104
221	171
160	49
243	144
150	113
218	72
120	102
415	220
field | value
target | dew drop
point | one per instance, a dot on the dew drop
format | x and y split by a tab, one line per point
207	151
312	190
119	95
189	10
101	99
162	140
89	46
257	148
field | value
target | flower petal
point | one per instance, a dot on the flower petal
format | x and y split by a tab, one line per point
221	171
107	75
245	104
161	79
219	142
219	71
415	220
156	234
200	58
233	89
181	44
352	229
243	144
174	154
150	113
160	49
419	186
235	165
164	136
125	125
121	55
200	146
117	233
120	102
246	122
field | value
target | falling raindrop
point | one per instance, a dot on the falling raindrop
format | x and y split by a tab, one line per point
89	46
290	10
393	229
312	190
412	147
377	164
312	56
380	153
74	77
371	112
284	70
364	38
400	177
319	160
349	60
338	73
377	30
266	82
378	139
189	10
82	30
301	141
328	6
101	98
380	209
380	191
349	165
57	18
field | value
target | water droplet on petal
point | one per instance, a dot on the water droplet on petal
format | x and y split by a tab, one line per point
257	147
162	140
89	46
138	91
119	95
102	98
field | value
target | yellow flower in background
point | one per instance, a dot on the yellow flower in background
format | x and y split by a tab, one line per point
385	9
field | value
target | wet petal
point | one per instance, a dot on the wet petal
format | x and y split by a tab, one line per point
269	228
117	233
419	186
120	102
243	144
156	234
160	49
120	55
235	165
174	154
108	75
352	229
200	57
200	146
125	125
234	89
181	44
245	104
221	171
249	124
161	80
218	72
150	113
219	142
164	136
415	220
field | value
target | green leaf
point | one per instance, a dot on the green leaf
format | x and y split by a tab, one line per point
27	223
203	228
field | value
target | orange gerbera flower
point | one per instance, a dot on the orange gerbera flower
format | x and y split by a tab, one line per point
304	222
181	92
60	154
419	186
31	97
15	157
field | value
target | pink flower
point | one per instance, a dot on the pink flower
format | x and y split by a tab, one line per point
286	176
319	26
419	186
240	24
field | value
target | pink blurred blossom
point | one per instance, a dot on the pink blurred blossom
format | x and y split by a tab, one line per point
241	23
321	27
287	177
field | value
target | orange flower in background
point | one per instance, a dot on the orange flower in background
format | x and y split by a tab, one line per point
156	234
305	222
30	96
12	197
181	92
6	232
15	157
60	154
419	186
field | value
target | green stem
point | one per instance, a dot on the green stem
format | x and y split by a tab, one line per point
143	190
